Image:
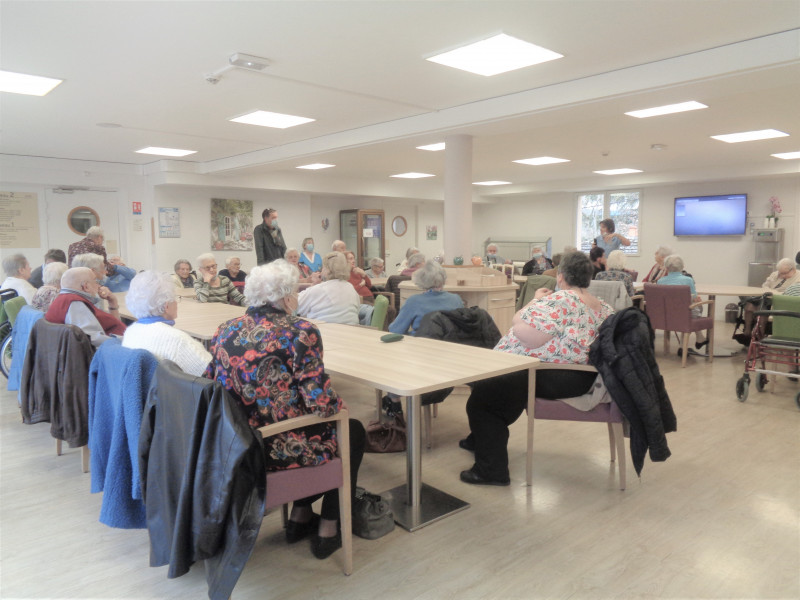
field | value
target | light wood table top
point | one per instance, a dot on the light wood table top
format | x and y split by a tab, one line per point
718	289
378	281
409	368
199	319
452	286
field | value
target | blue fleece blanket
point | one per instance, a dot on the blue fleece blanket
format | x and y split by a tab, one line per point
118	382
19	343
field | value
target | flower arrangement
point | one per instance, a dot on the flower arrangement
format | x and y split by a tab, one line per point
775	206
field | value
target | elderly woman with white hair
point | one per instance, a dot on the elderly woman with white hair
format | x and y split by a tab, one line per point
431	277
334	300
151	299
657	271
376	268
18	271
415	261
674	267
211	287
51	285
615	271
271	362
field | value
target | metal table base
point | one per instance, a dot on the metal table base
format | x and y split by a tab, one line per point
433	505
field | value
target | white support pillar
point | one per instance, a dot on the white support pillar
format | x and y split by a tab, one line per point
458	198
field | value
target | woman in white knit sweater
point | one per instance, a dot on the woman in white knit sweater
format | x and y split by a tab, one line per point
151	299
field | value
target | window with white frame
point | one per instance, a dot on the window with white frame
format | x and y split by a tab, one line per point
622	207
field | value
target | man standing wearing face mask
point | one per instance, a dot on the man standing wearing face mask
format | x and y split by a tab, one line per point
268	238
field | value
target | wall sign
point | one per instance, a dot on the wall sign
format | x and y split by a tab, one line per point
19	220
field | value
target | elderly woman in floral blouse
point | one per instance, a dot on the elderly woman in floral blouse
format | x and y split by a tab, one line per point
271	362
555	327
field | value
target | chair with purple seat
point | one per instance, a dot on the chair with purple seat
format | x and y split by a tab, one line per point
556	410
293	484
669	308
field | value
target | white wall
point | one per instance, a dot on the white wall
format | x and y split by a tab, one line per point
710	260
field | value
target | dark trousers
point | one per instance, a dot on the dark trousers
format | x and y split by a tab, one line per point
330	499
496	403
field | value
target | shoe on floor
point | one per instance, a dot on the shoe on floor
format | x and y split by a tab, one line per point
472	477
699	345
468	443
742	338
323	547
297	531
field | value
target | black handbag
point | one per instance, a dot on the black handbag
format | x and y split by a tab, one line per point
372	517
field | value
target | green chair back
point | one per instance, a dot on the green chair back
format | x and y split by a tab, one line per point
533	283
13	307
786	328
379	312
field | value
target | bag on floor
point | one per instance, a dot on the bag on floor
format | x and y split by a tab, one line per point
389	436
372	517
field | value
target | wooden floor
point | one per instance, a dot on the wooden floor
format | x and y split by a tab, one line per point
719	519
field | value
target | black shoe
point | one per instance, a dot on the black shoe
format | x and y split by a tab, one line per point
472	477
323	547
742	338
468	443
699	345
297	531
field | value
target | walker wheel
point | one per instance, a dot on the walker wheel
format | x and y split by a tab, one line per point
797	399
742	388
761	381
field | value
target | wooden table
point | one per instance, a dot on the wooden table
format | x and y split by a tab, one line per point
199	319
409	368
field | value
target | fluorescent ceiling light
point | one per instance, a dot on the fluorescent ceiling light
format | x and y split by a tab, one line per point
787	155
271	119
432	147
666	110
617	171
31	85
248	61
492	183
494	55
166	151
315	166
412	175
750	136
541	160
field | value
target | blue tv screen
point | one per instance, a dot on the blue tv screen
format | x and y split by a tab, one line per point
711	215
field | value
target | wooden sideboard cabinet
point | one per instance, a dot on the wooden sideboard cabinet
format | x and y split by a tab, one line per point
485	288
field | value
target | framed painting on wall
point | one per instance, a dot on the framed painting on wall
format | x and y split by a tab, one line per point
231	224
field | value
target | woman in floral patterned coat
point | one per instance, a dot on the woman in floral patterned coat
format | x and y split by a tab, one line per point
555	327
271	361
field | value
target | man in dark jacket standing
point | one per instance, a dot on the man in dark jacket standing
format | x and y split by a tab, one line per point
268	238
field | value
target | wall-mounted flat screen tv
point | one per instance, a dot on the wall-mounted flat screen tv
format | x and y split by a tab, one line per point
711	215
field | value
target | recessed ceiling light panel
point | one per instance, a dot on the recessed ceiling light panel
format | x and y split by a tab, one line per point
495	55
432	147
617	171
316	166
541	160
165	151
750	136
264	118
787	155
412	175
666	110
30	85
489	183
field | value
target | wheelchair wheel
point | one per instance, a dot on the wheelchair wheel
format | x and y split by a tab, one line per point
761	381
5	356
742	388
797	399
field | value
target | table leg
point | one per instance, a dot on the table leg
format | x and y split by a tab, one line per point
416	504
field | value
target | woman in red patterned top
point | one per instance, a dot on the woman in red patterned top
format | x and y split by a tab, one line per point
271	361
556	327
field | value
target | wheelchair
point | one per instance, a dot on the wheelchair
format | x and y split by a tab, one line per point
5	332
781	347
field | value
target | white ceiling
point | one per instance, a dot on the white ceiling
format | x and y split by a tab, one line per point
358	68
